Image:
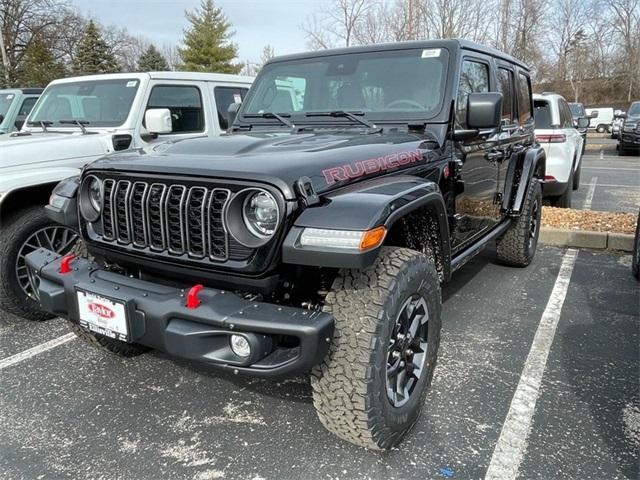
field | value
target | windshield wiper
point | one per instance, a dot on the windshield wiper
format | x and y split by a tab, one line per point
277	116
351	115
40	123
80	123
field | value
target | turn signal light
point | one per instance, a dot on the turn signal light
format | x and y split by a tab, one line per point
372	238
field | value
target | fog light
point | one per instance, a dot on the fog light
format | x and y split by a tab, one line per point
240	345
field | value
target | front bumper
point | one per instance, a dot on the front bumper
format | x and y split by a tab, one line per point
159	318
629	140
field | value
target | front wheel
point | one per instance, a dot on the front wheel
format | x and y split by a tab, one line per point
517	246
371	386
24	232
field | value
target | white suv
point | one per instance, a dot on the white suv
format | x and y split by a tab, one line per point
78	120
558	135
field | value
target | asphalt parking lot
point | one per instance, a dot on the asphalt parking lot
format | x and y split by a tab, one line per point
75	412
608	182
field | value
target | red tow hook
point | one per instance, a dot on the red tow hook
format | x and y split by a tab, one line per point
65	263
192	296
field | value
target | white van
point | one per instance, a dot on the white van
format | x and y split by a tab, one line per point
601	119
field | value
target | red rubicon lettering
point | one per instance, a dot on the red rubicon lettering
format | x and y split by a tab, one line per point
101	310
351	171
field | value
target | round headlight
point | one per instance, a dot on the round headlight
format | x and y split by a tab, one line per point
94	191
260	212
90	198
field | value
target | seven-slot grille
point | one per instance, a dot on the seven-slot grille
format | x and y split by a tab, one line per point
177	219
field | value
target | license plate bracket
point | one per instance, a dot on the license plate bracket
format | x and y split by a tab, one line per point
103	314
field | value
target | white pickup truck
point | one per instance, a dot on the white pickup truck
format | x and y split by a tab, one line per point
15	105
77	120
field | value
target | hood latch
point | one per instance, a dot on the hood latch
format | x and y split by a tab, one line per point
306	192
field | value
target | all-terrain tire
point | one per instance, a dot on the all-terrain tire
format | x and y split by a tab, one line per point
350	385
112	345
15	231
564	200
517	246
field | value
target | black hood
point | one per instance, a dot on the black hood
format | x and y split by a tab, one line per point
329	160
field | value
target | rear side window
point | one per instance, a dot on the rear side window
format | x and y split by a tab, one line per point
542	113
474	77
26	106
225	96
524	98
505	86
185	104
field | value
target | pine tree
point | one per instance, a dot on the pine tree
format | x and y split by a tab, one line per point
152	61
207	46
93	54
39	65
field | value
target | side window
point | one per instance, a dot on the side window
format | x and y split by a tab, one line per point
567	115
224	97
505	86
474	77
25	109
524	98
185	104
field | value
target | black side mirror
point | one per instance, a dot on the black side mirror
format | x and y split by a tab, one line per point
621	115
583	122
232	111
484	110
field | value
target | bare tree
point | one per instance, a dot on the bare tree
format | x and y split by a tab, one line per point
626	23
336	25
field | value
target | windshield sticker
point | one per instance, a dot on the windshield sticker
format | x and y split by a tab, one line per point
132	83
431	52
237	98
9	97
351	171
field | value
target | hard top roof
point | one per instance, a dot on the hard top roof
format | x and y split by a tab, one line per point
451	44
26	91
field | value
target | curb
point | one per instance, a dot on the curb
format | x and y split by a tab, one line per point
586	239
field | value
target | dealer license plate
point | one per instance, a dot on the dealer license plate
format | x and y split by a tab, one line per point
103	315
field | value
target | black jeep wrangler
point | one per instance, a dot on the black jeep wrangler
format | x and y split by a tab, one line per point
314	236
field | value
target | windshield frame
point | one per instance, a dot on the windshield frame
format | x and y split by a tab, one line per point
300	118
102	125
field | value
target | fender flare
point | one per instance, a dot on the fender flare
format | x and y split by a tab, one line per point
360	207
528	163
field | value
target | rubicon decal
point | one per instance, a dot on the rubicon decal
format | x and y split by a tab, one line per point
101	310
351	171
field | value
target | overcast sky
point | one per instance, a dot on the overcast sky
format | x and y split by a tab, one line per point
256	22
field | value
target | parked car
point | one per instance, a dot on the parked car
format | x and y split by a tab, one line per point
314	236
601	119
618	119
578	112
562	143
76	121
629	138
15	105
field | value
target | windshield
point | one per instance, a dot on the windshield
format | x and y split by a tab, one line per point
6	99
101	103
634	110
577	110
399	84
542	114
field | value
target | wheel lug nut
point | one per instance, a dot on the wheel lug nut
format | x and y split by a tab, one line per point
395	354
400	336
402	363
409	351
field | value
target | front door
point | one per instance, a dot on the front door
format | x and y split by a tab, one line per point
477	161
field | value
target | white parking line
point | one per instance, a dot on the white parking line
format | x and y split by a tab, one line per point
38	349
512	443
610	169
590	193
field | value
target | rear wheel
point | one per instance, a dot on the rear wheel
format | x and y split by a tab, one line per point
371	386
517	246
24	232
601	129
